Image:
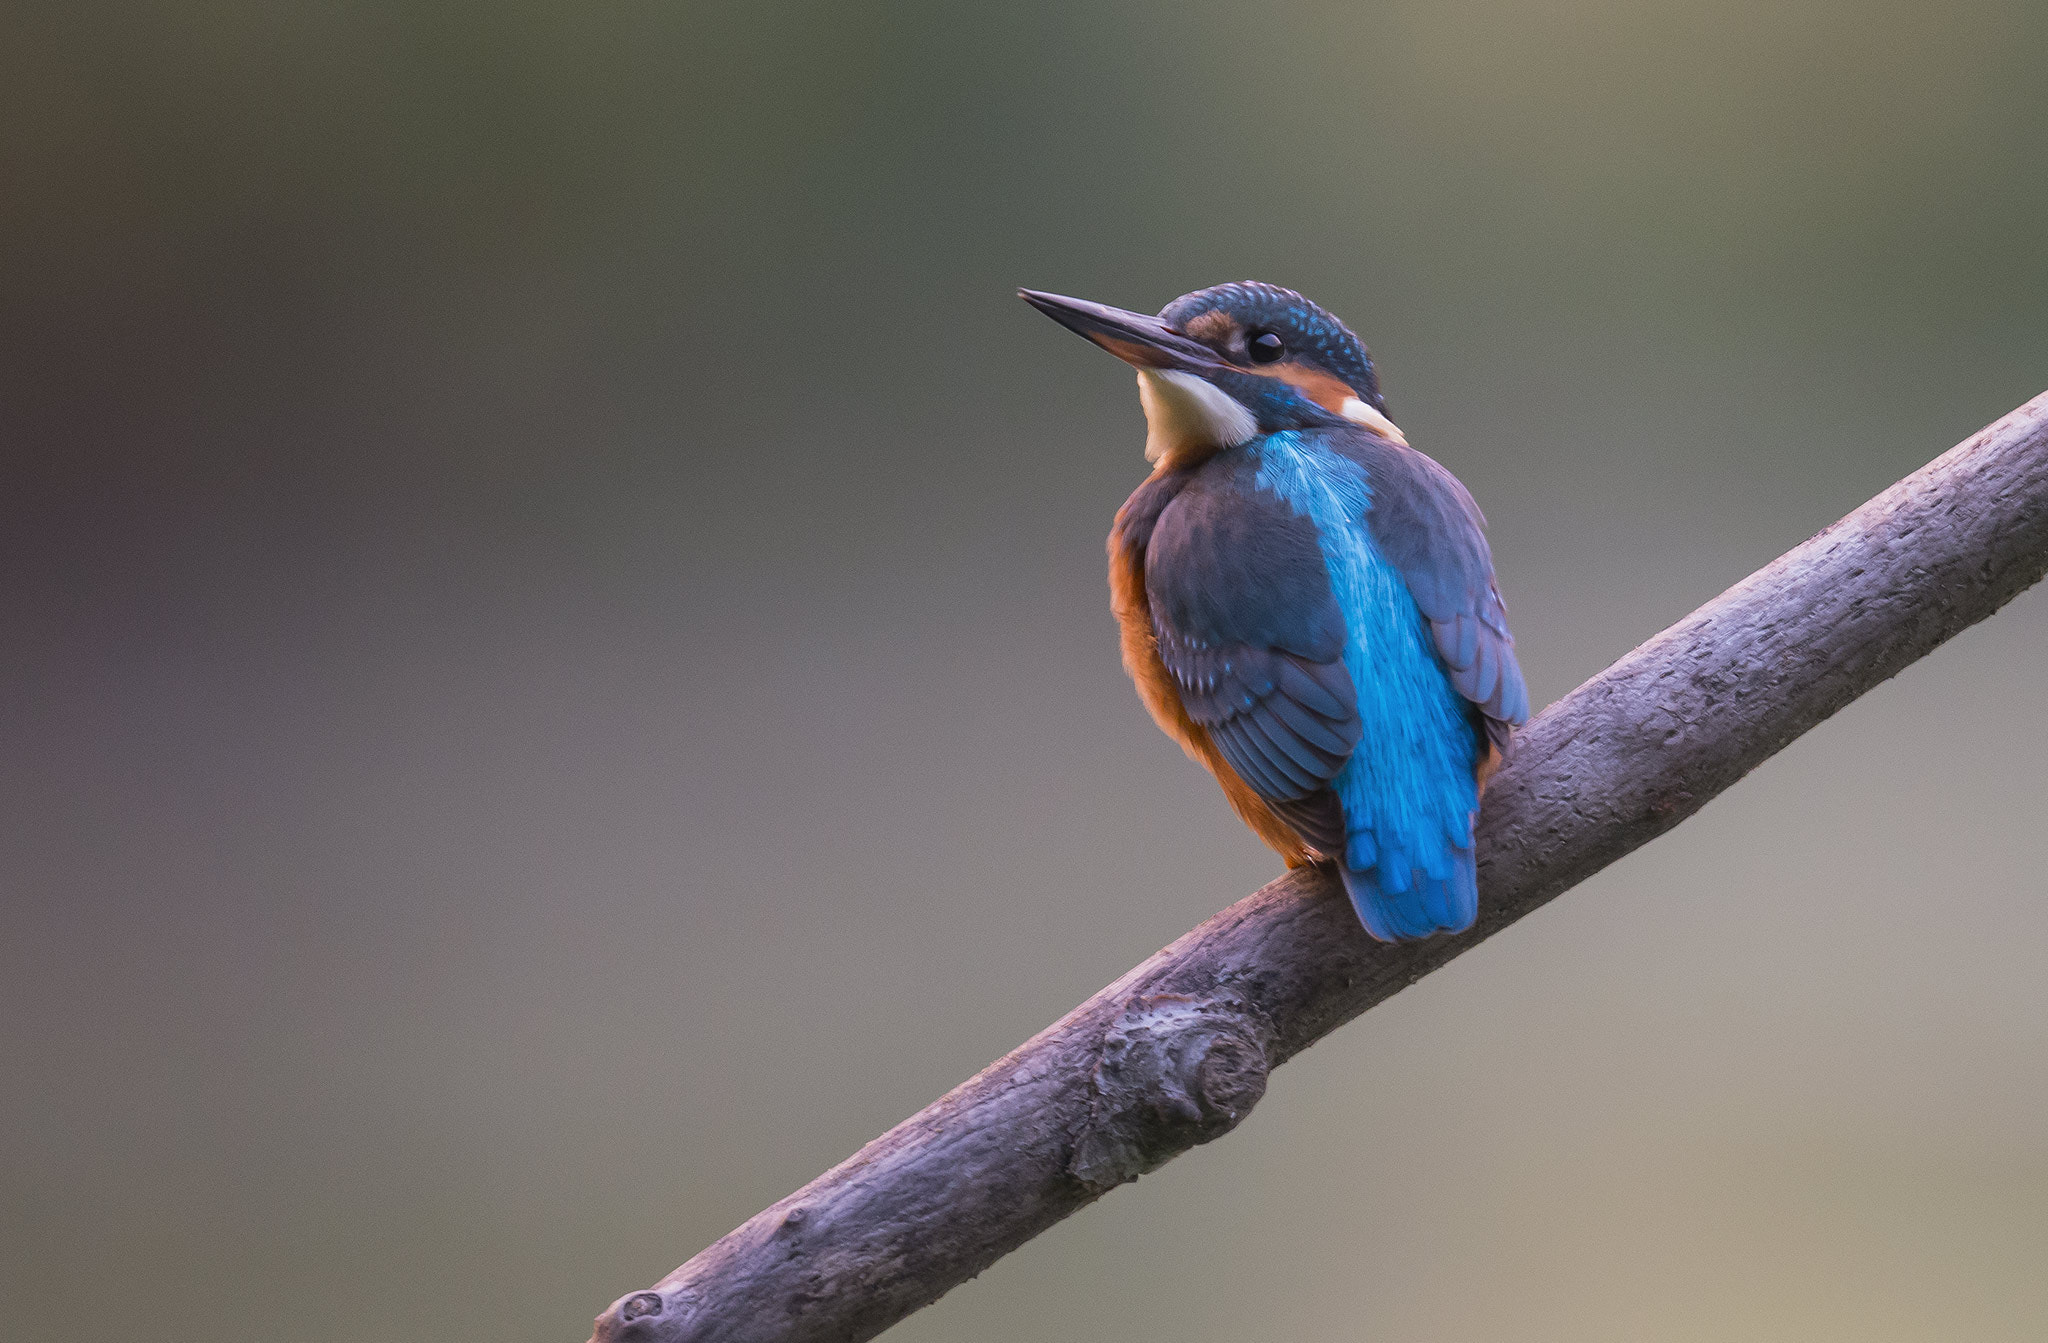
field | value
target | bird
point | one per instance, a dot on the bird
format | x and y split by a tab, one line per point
1307	603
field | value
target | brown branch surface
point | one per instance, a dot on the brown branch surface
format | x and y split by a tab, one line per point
1177	1051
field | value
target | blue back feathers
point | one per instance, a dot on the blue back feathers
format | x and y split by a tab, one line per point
1408	792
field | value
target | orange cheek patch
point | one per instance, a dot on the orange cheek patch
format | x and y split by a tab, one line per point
1325	389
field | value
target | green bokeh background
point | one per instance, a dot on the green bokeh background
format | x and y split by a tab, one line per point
556	678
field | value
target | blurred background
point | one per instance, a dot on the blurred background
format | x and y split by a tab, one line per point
555	673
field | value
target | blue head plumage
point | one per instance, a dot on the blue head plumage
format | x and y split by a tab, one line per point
1236	319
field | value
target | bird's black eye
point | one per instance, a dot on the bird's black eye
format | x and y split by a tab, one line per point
1265	347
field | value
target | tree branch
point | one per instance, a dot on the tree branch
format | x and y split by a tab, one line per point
1177	1051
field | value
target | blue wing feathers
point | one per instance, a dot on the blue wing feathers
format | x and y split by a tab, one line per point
1255	747
1311	766
1279	763
1478	653
1323	689
1313	729
1252	763
1249	761
1485	675
1457	641
1281	723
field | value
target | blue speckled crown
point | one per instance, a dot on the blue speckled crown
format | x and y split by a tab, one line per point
1310	331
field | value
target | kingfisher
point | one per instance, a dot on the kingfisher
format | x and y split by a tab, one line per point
1307	603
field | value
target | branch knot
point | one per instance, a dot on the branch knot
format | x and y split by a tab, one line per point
1173	1071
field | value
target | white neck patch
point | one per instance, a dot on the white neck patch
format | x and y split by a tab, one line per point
1187	416
1354	409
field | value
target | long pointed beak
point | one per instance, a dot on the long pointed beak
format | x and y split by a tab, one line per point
1133	337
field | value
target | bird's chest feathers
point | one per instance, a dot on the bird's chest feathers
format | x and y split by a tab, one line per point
1188	419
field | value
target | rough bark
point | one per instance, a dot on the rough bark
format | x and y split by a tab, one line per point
1177	1051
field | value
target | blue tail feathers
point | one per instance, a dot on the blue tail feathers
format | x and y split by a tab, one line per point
1415	903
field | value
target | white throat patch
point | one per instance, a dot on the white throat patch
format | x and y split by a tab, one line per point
1354	409
1186	416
